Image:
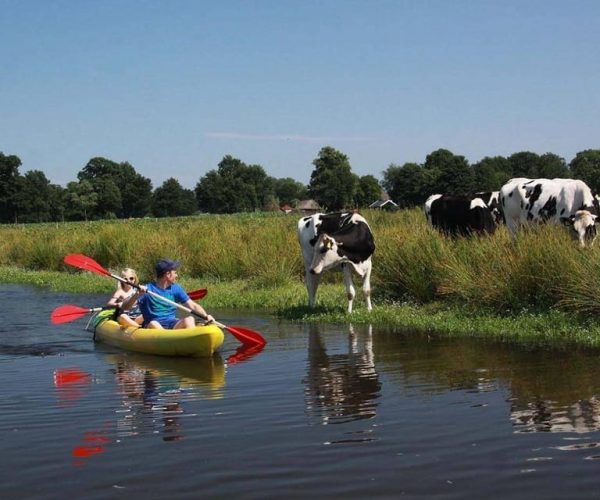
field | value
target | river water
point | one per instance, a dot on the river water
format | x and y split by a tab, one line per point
328	411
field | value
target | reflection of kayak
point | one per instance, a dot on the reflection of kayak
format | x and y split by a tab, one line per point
200	341
208	372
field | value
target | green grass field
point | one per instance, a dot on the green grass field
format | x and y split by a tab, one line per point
539	287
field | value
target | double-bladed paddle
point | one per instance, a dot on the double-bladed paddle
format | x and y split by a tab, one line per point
244	335
69	312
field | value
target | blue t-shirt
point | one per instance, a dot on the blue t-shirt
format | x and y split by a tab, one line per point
155	309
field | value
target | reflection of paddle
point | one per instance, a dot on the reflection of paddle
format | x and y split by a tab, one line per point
244	335
244	353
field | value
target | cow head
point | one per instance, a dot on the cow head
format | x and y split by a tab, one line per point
583	226
326	254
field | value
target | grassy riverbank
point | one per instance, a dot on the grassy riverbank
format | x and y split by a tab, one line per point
289	302
539	288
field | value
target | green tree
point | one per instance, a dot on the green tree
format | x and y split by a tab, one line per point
553	166
211	193
135	190
234	187
10	182
525	164
173	200
406	185
448	173
82	200
332	184
490	174
586	166
368	190
34	197
289	190
108	202
58	197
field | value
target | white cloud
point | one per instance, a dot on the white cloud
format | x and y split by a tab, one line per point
284	137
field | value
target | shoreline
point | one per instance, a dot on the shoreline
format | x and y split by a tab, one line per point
288	301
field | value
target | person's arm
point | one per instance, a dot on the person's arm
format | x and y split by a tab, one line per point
130	302
198	309
116	299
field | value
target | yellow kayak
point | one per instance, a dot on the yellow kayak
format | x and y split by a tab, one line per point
199	342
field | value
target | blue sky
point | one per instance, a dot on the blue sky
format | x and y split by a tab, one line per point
173	86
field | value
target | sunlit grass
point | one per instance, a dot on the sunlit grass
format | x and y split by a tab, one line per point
254	261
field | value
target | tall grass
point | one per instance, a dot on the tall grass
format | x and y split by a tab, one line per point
540	269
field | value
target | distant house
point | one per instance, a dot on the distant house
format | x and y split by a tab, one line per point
308	207
384	205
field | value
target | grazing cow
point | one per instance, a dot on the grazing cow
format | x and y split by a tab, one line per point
428	203
461	215
331	240
492	200
555	201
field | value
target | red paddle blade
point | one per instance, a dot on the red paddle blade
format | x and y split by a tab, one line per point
197	294
86	263
246	336
66	313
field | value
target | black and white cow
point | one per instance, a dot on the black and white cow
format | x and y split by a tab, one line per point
490	198
428	203
331	240
554	201
461	215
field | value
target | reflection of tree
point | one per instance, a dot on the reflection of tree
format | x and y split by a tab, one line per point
550	390
154	390
341	387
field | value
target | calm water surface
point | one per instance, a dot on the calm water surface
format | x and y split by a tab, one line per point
324	411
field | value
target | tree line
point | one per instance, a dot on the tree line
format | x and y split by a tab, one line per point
444	172
105	189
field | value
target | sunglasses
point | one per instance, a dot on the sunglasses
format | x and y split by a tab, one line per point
131	278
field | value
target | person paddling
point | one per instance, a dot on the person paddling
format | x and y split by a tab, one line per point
159	314
132	315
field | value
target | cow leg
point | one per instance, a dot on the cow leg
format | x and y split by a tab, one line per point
366	286
350	292
312	283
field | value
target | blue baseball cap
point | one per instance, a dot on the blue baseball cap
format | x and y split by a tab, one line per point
165	265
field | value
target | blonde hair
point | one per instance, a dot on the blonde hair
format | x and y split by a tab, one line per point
124	273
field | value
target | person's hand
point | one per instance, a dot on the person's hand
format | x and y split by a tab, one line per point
209	319
143	289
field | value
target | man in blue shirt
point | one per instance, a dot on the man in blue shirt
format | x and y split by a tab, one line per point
159	314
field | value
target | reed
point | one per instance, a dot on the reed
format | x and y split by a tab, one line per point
542	269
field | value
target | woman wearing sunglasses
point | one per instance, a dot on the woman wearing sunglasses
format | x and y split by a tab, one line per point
132	316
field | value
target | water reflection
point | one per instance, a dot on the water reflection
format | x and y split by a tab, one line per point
154	391
244	353
93	443
549	390
70	384
341	387
550	416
